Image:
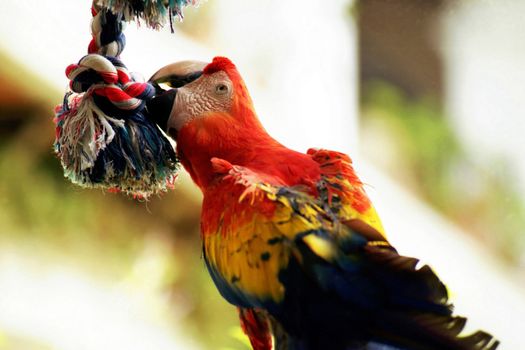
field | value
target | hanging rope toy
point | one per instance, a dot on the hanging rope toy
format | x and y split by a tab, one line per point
104	137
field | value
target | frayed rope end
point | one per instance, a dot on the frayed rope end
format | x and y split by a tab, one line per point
154	13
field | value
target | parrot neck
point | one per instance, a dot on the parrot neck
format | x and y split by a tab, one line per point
247	145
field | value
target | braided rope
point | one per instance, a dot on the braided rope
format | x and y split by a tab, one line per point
103	136
107	32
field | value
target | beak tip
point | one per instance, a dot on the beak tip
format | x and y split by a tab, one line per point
160	107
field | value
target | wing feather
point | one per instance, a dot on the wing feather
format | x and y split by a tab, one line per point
343	193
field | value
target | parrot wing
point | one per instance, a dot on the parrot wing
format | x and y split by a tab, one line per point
283	250
342	192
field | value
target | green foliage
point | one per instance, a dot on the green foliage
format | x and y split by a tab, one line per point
425	138
430	159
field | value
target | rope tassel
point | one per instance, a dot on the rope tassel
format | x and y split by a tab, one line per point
104	138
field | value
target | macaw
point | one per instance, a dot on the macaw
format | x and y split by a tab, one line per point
291	238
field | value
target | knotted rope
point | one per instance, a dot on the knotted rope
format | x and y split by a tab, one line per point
104	138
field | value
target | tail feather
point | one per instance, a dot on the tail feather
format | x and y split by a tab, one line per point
419	314
370	295
431	332
254	324
480	341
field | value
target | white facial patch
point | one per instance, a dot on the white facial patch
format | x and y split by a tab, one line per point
209	93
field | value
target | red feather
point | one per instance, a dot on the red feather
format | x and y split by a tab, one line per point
256	327
219	64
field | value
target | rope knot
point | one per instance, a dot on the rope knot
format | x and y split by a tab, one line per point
108	82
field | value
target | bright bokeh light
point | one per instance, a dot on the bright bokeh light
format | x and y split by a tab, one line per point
63	308
485	75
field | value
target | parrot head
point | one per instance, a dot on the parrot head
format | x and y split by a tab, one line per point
200	93
207	109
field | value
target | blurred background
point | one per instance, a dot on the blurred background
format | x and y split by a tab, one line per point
426	96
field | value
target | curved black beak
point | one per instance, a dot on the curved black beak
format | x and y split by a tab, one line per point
160	106
173	76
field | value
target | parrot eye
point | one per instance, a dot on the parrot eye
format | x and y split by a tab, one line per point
221	89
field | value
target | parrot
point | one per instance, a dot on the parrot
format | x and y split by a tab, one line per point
290	238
